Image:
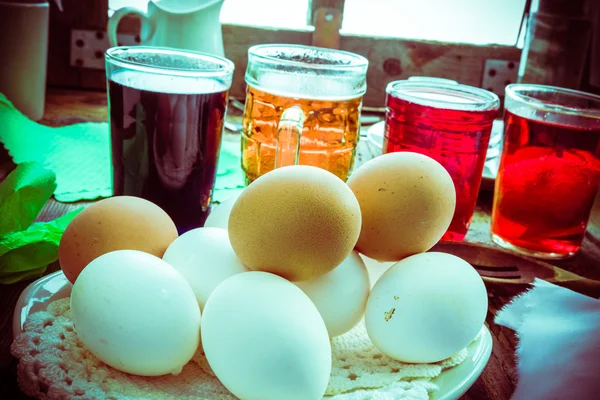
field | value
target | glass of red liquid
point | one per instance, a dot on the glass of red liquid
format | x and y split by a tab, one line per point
549	170
450	123
167	109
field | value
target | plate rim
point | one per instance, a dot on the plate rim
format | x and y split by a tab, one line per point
480	351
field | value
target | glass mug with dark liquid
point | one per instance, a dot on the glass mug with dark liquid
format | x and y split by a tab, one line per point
166	119
302	107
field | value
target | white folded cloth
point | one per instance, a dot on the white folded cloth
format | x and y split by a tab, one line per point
558	354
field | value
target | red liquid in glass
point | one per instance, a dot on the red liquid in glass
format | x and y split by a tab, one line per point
457	139
548	179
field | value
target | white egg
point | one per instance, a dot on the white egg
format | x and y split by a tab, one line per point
136	313
375	268
265	339
340	295
205	258
426	308
219	214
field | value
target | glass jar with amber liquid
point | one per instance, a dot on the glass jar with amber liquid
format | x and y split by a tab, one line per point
302	107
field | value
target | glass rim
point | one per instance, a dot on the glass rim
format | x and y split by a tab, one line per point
514	91
359	61
226	66
489	100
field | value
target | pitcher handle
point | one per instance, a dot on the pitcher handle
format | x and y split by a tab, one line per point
289	133
113	23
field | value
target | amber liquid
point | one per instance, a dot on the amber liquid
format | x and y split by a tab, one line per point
546	185
329	137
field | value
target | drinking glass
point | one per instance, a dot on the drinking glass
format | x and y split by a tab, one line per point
302	107
450	123
549	170
166	111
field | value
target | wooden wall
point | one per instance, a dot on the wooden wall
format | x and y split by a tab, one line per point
390	58
77	14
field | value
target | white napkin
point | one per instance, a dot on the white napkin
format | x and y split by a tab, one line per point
558	354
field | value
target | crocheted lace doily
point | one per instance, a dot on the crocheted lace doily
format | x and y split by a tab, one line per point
54	364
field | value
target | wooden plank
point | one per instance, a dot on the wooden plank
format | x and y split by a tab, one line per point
392	59
76	106
94	16
314	5
89	14
328	22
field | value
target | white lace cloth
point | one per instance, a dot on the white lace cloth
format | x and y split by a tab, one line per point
54	364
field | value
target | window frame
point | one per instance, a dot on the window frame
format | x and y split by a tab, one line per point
389	58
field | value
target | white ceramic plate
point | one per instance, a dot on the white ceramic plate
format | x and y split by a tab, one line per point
453	383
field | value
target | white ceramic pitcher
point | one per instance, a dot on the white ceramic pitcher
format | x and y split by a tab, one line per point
183	24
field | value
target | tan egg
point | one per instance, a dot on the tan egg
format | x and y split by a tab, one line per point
116	223
298	222
407	201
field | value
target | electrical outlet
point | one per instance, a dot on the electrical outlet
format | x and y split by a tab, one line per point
88	47
499	73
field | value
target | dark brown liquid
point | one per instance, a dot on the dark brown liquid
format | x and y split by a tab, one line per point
165	146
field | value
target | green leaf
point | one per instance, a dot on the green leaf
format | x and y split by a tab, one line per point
29	256
23	195
21	276
26	254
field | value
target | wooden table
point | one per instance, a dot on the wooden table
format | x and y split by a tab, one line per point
499	377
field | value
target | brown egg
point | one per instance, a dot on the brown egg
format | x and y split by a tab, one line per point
116	223
407	201
298	222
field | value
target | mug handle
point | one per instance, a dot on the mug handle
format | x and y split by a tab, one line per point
289	132
114	20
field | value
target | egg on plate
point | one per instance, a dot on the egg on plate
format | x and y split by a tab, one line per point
219	213
205	258
116	223
426	308
341	294
298	222
264	339
407	202
136	313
